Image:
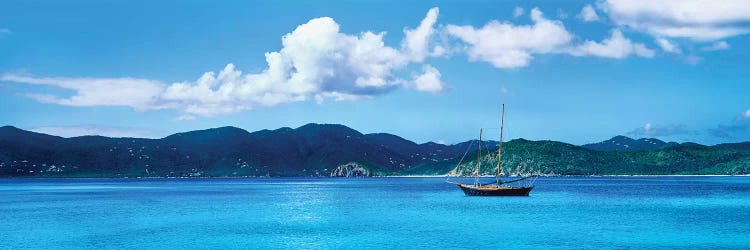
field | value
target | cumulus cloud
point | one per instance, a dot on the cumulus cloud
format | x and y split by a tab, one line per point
720	45
505	45
588	14
429	80
699	20
517	12
668	46
616	46
109	131
654	130
416	41
316	62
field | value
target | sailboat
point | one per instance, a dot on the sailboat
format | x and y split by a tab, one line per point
499	187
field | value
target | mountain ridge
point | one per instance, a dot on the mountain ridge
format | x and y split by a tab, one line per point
319	149
624	143
309	150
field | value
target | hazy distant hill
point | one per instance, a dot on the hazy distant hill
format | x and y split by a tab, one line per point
624	143
744	146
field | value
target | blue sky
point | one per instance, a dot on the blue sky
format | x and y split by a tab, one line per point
573	71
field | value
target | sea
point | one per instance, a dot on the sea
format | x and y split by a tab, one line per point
373	213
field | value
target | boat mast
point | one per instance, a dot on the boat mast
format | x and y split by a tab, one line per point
479	159
500	148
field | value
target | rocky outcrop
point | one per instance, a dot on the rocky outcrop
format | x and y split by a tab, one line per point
351	169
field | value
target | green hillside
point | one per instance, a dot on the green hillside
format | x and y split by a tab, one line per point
557	158
336	150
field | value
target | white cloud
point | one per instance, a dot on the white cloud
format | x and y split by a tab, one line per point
691	59
186	118
316	61
505	45
720	45
561	14
429	80
73	131
668	46
416	41
504	90
746	114
700	34
699	20
653	130
139	94
5	31
588	14
517	12
616	46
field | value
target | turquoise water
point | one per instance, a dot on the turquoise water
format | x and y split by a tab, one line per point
591	212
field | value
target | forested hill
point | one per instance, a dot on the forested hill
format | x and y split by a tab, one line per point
310	150
557	158
329	149
624	143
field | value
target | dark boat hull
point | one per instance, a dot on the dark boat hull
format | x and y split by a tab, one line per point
502	191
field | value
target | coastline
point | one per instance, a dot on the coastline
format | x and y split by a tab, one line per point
613	175
389	176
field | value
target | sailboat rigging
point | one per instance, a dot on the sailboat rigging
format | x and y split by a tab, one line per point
498	187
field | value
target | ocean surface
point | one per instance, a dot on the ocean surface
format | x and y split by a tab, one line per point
562	212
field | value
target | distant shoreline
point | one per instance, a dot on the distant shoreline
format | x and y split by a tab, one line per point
232	152
613	175
390	176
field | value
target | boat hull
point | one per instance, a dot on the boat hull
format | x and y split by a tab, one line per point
495	191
